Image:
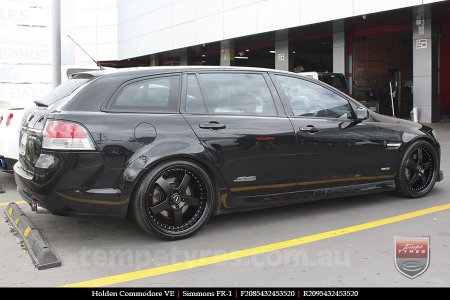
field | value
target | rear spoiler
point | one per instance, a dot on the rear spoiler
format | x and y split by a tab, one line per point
72	71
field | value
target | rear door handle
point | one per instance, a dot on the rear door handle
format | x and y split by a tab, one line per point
212	125
309	129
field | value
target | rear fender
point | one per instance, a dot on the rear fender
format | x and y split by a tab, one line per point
151	155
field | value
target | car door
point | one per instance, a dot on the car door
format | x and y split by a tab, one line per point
247	133
334	149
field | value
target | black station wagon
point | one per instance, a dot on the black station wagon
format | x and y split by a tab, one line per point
174	145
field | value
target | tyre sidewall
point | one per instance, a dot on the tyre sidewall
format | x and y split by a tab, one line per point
141	197
402	184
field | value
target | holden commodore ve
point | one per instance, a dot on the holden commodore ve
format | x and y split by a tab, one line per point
175	145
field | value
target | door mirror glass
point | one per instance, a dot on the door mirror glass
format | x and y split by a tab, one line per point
362	113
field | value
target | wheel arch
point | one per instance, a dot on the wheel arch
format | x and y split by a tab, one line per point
201	160
409	142
400	182
426	138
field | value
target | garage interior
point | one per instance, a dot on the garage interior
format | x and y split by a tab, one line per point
381	60
379	54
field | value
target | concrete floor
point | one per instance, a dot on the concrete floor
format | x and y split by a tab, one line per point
97	247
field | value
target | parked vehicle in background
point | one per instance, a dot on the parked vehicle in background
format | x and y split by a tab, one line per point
336	80
11	115
175	145
10	120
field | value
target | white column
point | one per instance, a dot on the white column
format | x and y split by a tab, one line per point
227	53
338	47
185	57
422	65
154	60
283	51
56	42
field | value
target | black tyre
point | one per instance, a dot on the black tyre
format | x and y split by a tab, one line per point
174	200
418	171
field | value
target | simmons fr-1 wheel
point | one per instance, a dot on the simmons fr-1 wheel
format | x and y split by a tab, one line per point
174	200
418	170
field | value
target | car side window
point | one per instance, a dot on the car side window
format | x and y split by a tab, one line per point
156	94
194	99
237	93
309	99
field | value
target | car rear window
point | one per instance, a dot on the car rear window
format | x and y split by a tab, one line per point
61	91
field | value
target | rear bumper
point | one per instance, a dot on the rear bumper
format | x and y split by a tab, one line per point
56	195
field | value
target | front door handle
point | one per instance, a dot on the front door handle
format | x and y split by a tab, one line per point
309	129
212	125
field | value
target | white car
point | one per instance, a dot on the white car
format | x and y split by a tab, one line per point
10	120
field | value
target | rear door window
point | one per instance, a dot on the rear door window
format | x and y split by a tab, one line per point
155	95
237	94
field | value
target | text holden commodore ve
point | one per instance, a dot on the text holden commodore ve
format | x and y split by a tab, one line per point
175	145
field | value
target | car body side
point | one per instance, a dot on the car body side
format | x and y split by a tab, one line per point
129	144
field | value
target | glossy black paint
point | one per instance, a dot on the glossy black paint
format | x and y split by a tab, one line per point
247	148
345	157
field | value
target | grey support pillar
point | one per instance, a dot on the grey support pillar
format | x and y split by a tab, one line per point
283	51
339	47
185	58
154	60
422	64
56	42
227	53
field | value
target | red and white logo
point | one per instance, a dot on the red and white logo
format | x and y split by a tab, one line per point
412	255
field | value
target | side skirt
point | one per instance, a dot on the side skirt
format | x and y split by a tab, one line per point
230	203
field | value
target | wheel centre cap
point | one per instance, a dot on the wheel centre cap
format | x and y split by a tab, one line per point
176	199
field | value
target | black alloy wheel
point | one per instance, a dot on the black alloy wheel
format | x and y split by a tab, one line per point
174	200
419	170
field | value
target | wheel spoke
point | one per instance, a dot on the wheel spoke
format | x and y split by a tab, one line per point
178	217
411	164
192	201
414	179
176	199
185	182
164	185
423	179
419	156
160	207
427	165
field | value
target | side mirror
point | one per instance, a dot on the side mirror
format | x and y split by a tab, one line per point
362	113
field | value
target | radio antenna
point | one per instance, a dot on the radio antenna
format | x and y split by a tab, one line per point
96	62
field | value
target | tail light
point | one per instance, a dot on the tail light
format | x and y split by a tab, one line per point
8	120
64	135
